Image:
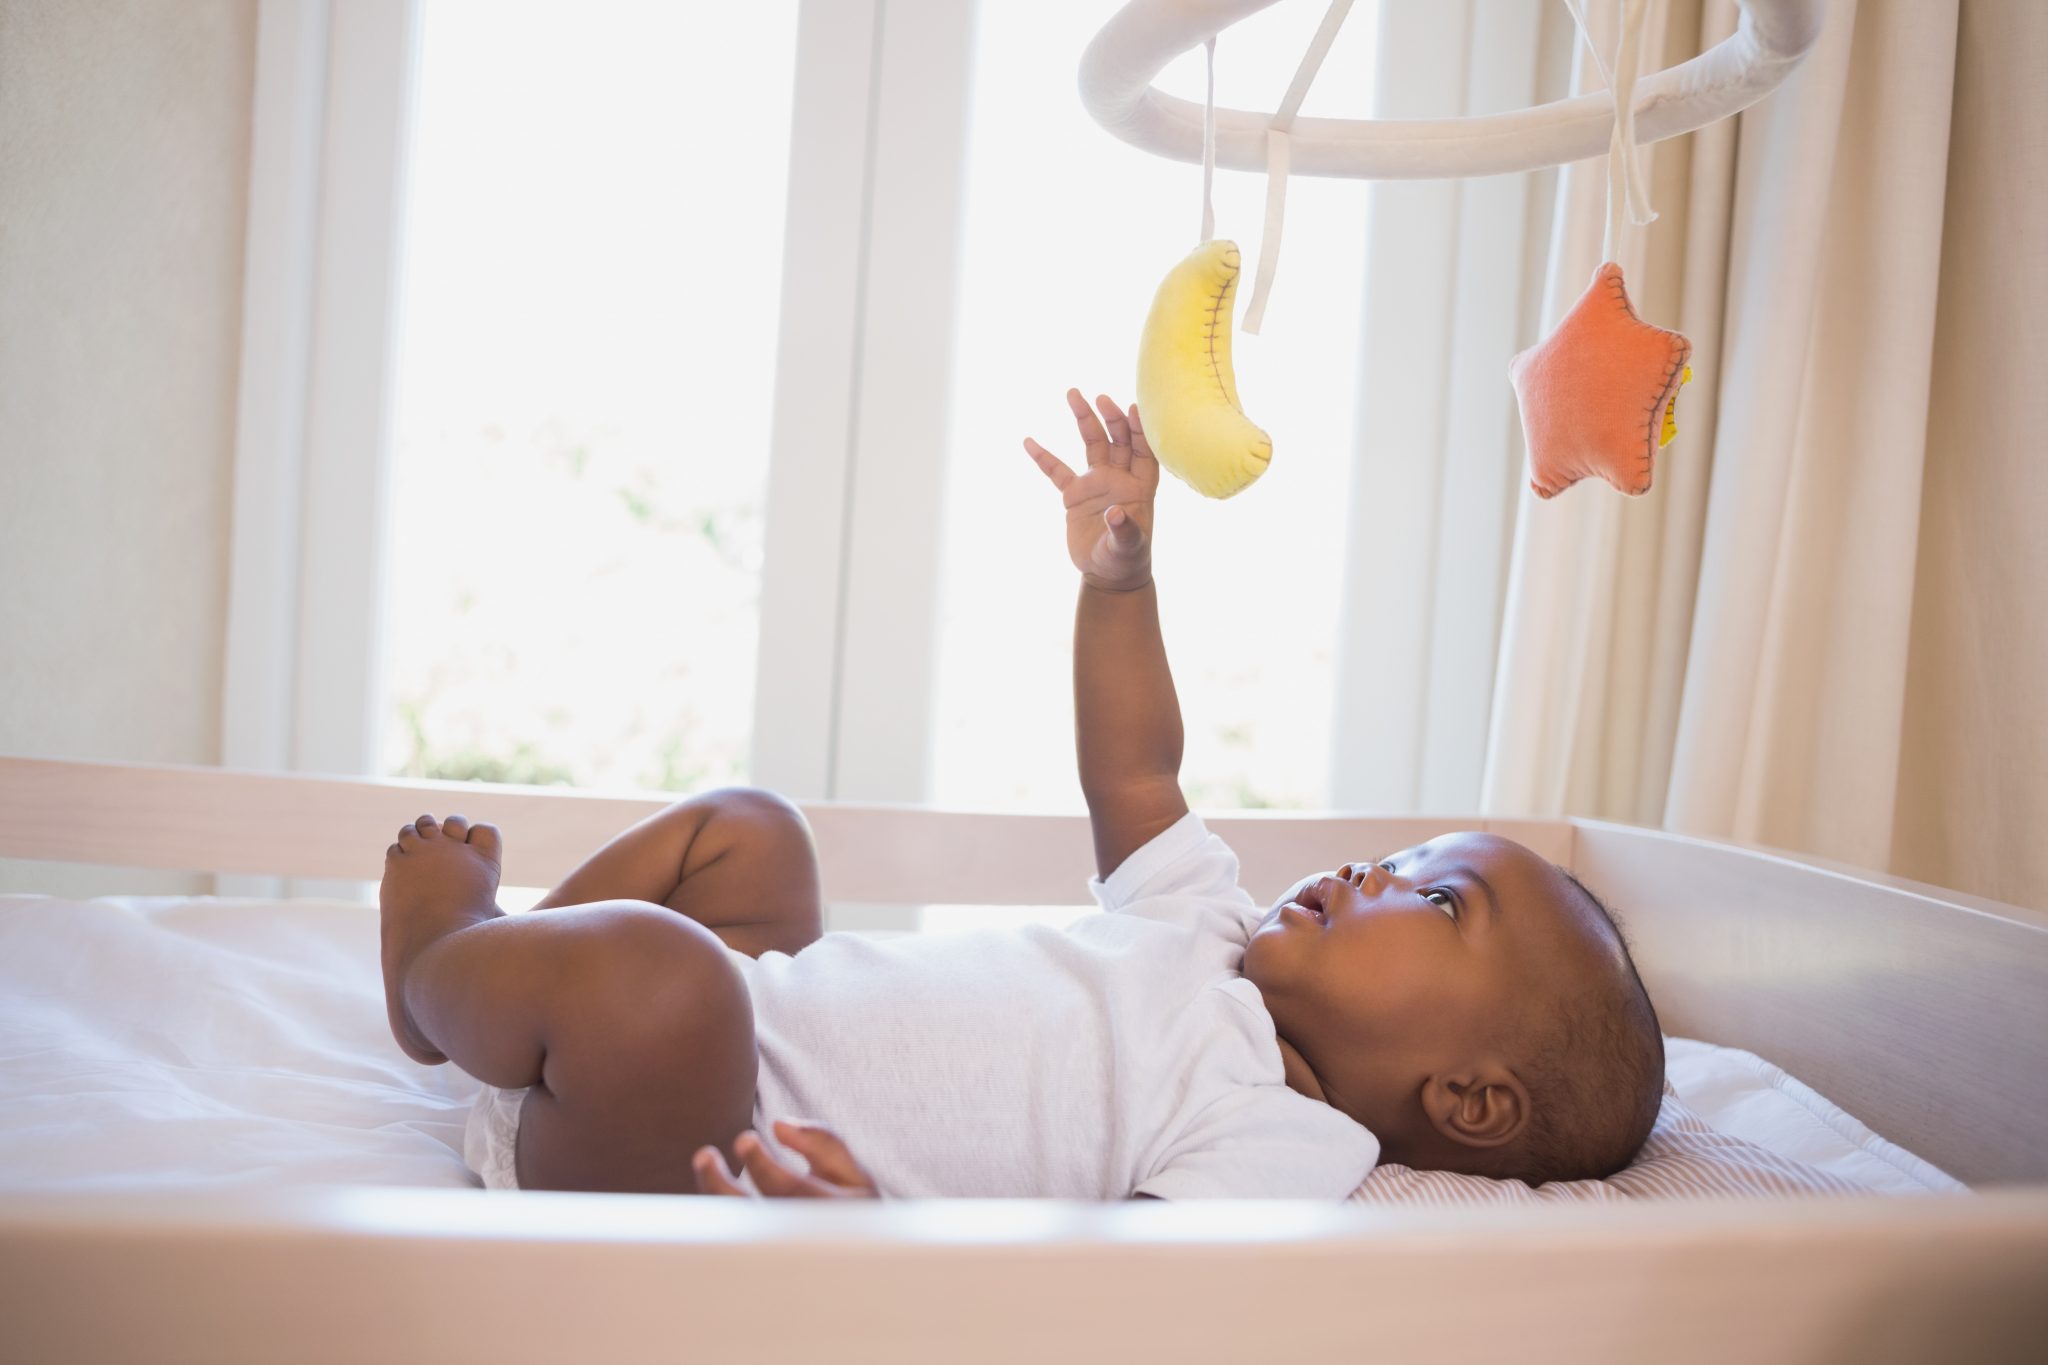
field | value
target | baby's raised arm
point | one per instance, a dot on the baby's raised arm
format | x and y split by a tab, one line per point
1127	730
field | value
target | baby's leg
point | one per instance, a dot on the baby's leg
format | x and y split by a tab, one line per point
739	861
629	1022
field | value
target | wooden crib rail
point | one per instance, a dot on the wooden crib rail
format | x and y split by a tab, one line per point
352	1274
198	819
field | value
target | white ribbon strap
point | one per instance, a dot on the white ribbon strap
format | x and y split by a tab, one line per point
1277	145
1625	183
1209	147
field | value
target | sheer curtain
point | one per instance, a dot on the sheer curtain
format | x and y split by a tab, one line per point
1453	282
1729	655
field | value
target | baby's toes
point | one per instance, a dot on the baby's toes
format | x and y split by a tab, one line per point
485	840
455	827
427	826
408	838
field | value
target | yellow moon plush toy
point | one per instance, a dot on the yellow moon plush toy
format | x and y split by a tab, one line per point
1187	392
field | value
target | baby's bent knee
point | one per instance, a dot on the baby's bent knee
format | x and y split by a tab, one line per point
754	807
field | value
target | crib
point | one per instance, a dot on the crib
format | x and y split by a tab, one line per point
1921	1011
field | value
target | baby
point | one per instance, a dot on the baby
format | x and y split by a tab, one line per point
1462	1005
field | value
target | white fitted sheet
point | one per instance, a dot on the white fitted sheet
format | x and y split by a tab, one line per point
171	1040
155	1040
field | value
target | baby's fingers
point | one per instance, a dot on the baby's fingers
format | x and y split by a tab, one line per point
830	1160
771	1178
1123	532
712	1175
1055	468
1119	432
1140	446
1119	559
1090	426
1142	462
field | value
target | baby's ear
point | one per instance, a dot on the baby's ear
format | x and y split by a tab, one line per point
1485	1106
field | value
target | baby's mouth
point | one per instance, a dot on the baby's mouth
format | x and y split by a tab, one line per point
1310	903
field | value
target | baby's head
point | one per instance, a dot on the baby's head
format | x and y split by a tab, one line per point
1469	1002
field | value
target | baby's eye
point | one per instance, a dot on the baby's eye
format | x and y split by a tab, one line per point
1444	899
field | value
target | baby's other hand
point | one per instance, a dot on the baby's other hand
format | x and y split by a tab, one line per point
834	1172
1109	508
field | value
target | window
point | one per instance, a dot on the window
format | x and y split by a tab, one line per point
593	580
586	352
1068	231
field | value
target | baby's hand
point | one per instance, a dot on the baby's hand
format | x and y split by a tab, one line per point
834	1172
1109	509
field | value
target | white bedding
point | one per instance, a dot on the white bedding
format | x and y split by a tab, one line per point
169	1040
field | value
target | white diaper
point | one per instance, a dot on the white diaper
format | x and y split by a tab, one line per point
490	1140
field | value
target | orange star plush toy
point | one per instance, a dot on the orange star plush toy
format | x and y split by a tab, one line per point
1598	395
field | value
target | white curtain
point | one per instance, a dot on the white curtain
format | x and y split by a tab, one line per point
1973	776
1729	654
1453	282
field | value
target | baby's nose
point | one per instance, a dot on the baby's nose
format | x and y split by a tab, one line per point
1360	875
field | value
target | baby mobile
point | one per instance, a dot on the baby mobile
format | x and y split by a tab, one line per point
1598	396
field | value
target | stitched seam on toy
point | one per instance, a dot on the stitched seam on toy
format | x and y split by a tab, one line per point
1216	366
1620	289
1209	337
1665	392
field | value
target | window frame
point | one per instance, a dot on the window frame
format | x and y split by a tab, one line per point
304	658
849	602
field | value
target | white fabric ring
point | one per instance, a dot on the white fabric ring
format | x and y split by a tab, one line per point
1141	38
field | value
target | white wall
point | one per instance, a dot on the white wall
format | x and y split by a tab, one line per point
124	157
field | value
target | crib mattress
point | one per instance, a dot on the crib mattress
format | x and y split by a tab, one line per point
170	1041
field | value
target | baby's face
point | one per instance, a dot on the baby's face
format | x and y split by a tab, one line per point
1389	970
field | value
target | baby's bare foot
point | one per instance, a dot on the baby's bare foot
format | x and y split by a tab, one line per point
438	877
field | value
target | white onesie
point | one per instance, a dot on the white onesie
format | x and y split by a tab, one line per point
1121	1054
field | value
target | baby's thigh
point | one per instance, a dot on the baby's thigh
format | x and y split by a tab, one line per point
656	1061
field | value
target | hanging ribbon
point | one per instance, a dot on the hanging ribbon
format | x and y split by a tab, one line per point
1625	184
1209	147
1278	133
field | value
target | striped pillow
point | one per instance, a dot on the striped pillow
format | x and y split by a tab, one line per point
1683	1158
